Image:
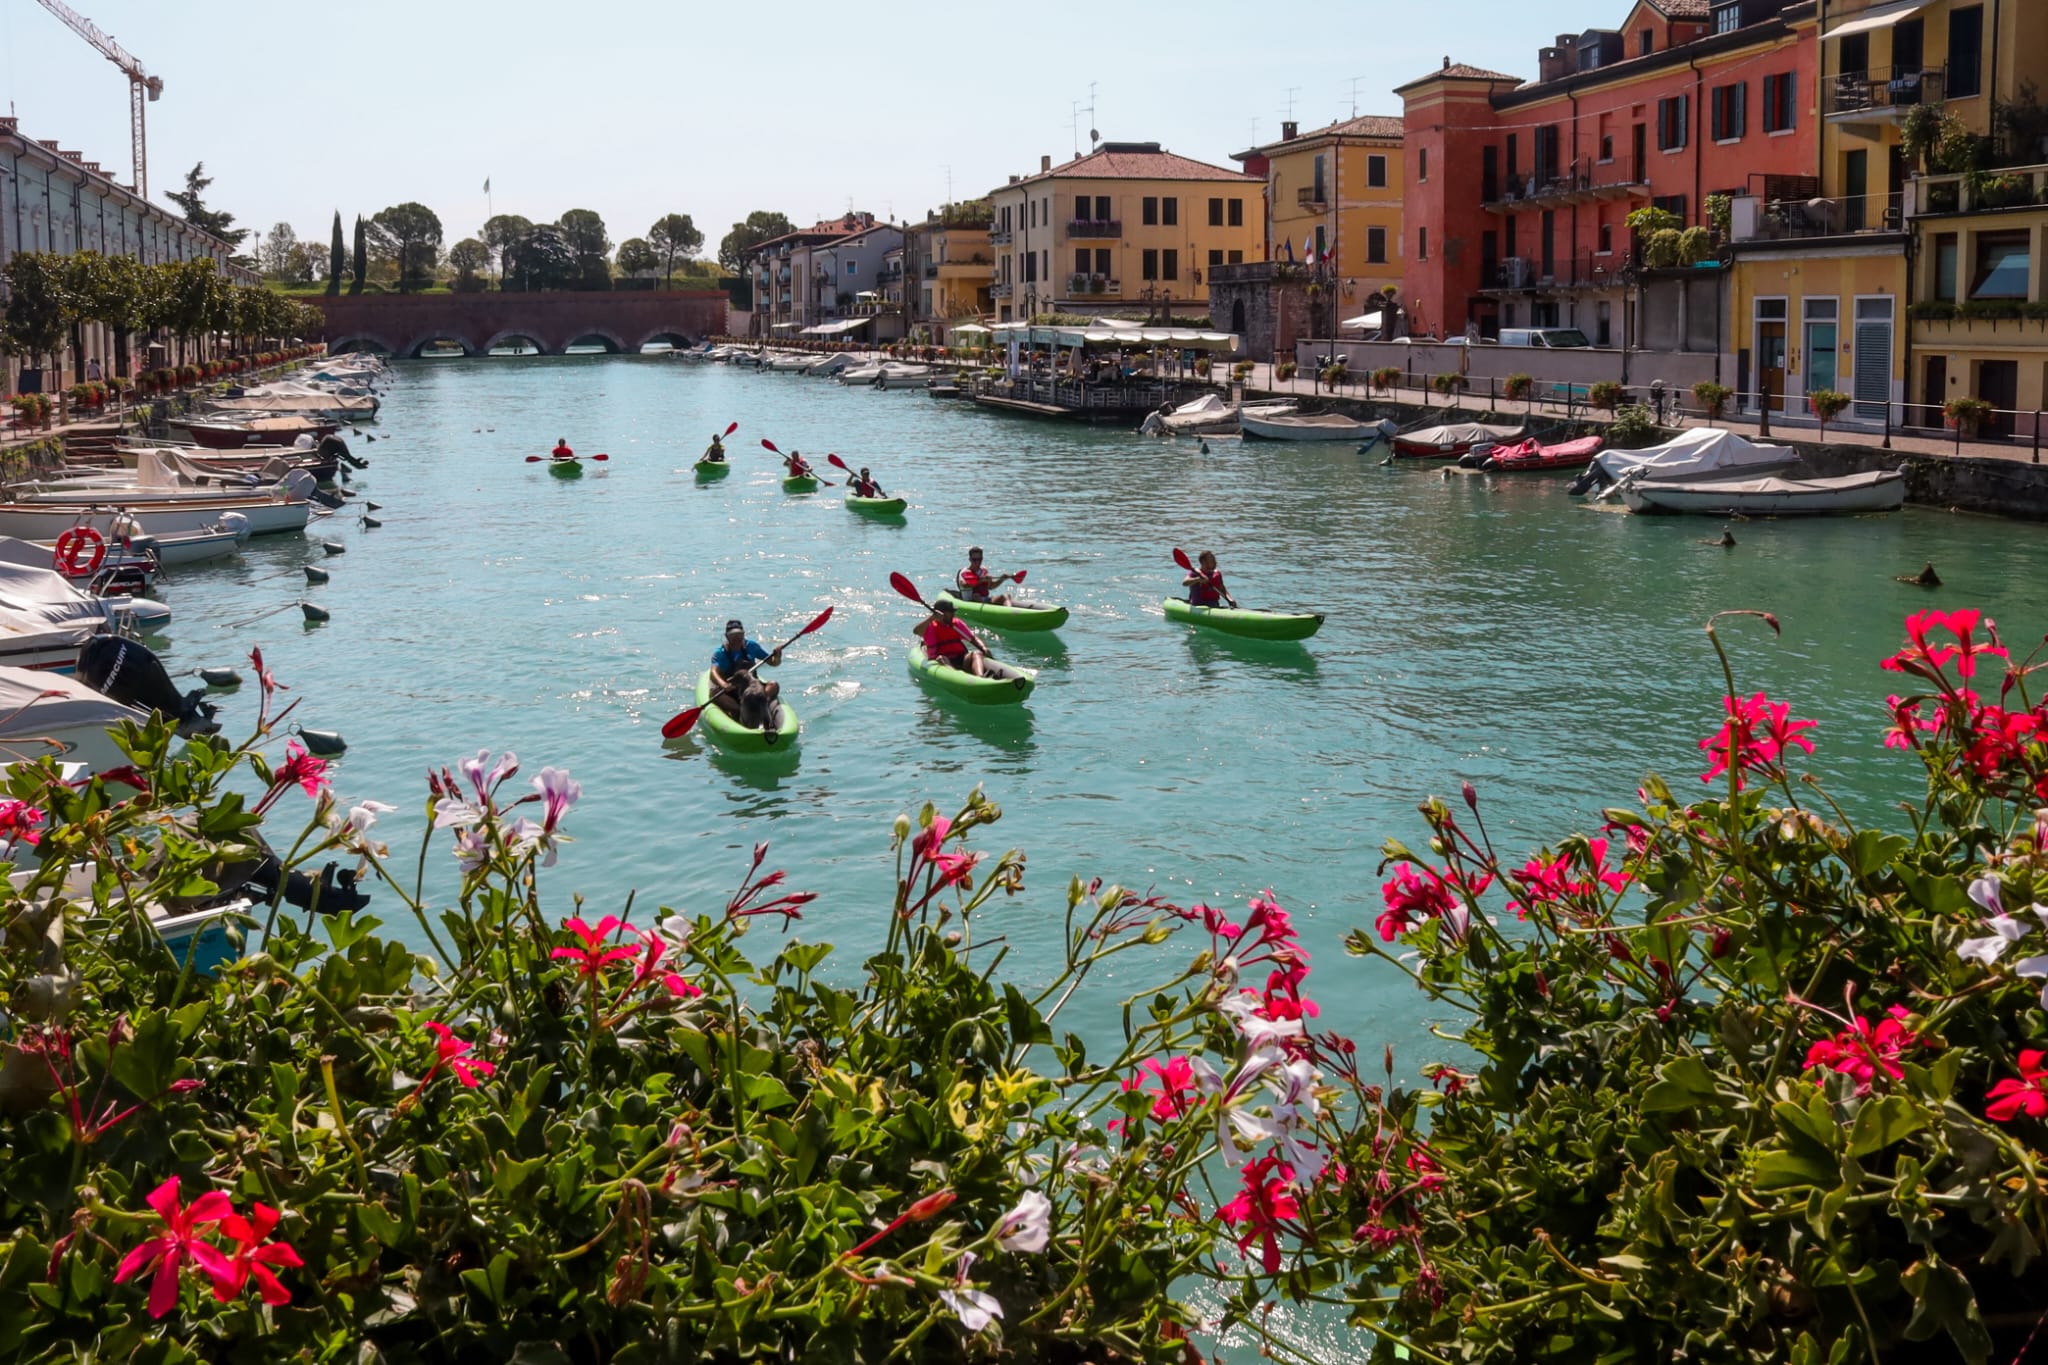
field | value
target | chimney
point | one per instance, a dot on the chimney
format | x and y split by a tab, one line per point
1015	178
1044	164
1553	63
1289	131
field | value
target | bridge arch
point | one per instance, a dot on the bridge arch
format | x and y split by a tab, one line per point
419	344
610	340
675	337
510	335
361	341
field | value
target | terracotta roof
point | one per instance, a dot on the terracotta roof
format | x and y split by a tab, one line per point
1366	125
1459	71
1134	161
1684	9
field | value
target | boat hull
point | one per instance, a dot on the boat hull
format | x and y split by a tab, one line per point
1850	495
1246	625
802	483
1021	620
1010	689
708	470
876	507
1297	428
566	469
735	738
38	521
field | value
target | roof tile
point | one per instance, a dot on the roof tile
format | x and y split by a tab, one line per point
1135	161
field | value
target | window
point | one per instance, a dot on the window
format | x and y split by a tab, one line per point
1422	163
1030	267
1780	107
1034	213
1670	203
1148	212
1102	261
1547	159
1727	18
1607	239
1237	213
1215	258
1102	213
1674	122
1169	262
1149	263
1422	243
2001	266
1319	196
1081	204
1945	258
1376	172
1966	52
1081	255
1237	258
1646	43
1853	53
1169	211
1376	246
1731	111
1607	146
1514	155
1006	217
1909	47
1215	213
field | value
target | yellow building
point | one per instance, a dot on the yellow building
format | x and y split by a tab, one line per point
1336	191
1128	226
957	265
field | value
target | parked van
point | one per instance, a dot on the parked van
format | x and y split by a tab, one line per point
1545	338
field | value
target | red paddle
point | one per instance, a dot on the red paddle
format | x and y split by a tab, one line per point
730	430
1180	557
564	459
909	590
835	460
683	722
772	448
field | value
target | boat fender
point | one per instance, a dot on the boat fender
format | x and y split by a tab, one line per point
314	613
314	575
373	506
334	547
223	678
322	743
127	672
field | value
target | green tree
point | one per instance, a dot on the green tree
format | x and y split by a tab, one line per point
360	266
467	258
504	235
112	290
674	238
544	260
584	233
637	257
336	259
759	227
274	256
411	234
220	224
40	306
196	299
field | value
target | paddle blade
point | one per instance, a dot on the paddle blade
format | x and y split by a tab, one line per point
769	445
1018	577
905	587
731	429
534	459
600	457
1180	557
681	723
838	463
820	619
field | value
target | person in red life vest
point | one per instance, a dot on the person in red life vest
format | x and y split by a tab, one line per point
735	688
1205	584
798	466
561	450
950	642
977	584
864	485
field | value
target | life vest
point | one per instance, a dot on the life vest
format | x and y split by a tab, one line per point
562	451
1207	593
945	639
975	583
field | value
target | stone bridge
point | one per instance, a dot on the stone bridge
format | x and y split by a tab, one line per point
622	320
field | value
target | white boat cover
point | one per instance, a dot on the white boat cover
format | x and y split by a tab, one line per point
41	594
24	710
1207	403
1702	453
1460	434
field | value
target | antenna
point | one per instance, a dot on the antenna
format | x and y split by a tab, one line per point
1255	133
1074	124
1292	91
949	184
1355	80
1093	136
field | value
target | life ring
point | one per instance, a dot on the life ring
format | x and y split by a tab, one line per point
80	551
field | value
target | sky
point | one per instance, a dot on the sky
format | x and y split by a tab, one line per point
638	108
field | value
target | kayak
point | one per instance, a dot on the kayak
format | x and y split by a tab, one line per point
733	737
1251	625
713	469
1021	617
875	507
566	469
1006	686
800	483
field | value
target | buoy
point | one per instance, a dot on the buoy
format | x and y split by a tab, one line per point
314	575
369	438
372	522
222	678
312	612
373	506
334	547
1926	578
321	743
1205	447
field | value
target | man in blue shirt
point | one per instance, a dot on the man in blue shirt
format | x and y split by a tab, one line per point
733	685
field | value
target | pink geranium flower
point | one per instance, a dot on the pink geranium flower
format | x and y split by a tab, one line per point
593	957
1863	1051
178	1243
256	1256
2028	1095
1754	738
1261	1208
454	1052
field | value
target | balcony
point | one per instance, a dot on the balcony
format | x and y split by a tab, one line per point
999	291
1524	275
1884	93
1001	238
1577	185
2012	188
1096	227
1313	197
1093	284
1753	218
931	270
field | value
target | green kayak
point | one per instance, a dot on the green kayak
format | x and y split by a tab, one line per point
735	738
800	483
1020	618
1250	625
566	469
1007	685
713	469
875	507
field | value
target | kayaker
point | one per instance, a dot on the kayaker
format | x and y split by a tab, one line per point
977	584
1205	584
864	485
561	450
798	466
715	452
734	686
950	642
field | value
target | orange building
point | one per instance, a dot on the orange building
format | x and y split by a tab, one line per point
1519	193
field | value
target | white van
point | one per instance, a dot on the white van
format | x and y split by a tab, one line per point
1545	338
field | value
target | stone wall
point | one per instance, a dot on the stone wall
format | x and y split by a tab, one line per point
1264	302
624	321
1679	370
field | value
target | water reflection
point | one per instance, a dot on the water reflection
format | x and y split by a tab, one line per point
1217	655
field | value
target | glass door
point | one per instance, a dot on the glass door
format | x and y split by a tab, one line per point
1823	344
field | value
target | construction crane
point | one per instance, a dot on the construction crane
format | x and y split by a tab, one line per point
140	82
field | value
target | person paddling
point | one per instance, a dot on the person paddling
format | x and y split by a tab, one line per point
1205	584
977	584
949	642
561	450
734	686
798	466
864	485
715	452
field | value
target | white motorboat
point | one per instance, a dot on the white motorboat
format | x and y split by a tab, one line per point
789	364
1211	415
165	522
897	375
1694	457
1295	426
833	364
866	373
44	618
1879	490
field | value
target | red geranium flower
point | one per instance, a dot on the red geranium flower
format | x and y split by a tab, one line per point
2028	1095
178	1243
1261	1205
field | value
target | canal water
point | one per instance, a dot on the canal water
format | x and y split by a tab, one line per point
1485	629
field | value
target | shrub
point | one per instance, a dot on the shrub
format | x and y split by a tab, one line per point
1518	386
1605	395
1826	404
1712	398
1663	249
1967	416
1695	245
1449	384
1335	373
1633	427
1285	370
1386	377
1932	310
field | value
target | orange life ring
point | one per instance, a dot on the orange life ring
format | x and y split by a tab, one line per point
80	551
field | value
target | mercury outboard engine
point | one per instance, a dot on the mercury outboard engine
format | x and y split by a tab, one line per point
128	673
332	447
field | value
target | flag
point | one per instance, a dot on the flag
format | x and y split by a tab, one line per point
487	184
1308	249
1289	244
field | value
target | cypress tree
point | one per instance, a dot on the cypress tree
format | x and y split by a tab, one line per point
362	258
335	259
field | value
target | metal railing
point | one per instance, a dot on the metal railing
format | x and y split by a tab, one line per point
1095	227
1578	181
1092	283
1884	89
1773	220
2011	187
1586	270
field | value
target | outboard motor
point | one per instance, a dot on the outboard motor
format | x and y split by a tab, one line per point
127	672
299	485
332	447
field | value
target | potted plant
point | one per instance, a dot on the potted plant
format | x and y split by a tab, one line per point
1967	416
1827	404
1335	373
1241	371
1202	366
1385	377
1634	427
1605	395
1712	398
1285	370
1450	385
1519	386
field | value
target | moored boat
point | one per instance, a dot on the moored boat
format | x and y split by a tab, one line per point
1018	616
1295	426
728	734
1877	490
1449	441
1692	457
1531	457
161	521
1006	684
1210	415
1246	623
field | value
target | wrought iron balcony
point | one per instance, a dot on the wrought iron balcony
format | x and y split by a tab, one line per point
1312	197
1885	92
1096	227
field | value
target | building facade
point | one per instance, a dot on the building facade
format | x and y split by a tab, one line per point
56	200
1518	194
1128	226
795	280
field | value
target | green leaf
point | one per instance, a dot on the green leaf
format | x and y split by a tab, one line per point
148	1061
1026	1024
765	1091
1873	849
1795	1170
492	1280
1685	1083
1880	1123
1944	1301
507	1177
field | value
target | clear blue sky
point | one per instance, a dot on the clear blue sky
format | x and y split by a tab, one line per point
636	108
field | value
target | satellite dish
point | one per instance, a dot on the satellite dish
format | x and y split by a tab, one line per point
1094	136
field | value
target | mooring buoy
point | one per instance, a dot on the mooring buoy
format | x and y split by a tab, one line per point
313	613
321	743
371	522
223	678
314	575
334	547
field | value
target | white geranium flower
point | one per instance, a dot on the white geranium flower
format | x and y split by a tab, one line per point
1028	1226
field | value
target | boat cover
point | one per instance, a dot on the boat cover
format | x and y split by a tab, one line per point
1704	452
25	710
42	596
1458	434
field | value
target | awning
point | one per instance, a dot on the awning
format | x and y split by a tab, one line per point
1370	322
782	327
969	329
1883	16
833	329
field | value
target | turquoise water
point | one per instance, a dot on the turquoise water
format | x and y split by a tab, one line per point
1490	630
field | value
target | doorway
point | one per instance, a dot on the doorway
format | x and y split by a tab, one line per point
1998	383
1873	372
1823	344
1640	155
1855	185
1933	393
1771	324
